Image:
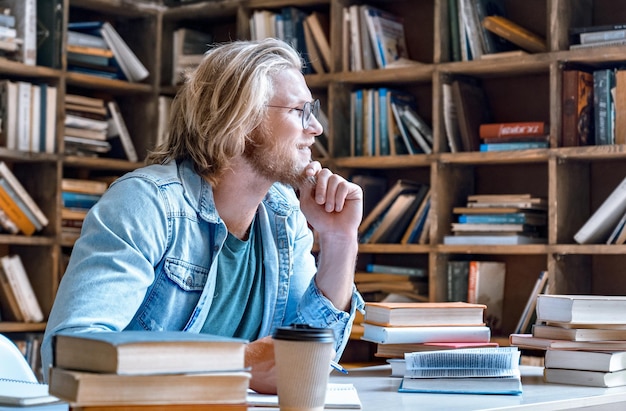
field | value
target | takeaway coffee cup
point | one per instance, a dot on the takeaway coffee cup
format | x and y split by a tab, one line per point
303	357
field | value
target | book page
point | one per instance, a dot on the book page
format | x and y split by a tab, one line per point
469	358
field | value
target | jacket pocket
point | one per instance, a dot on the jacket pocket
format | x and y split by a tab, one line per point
187	276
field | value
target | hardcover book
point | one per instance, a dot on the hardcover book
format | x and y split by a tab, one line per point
143	352
586	360
583	309
423	334
577	126
86	388
424	314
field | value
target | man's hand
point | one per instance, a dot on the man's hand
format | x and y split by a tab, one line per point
260	358
330	203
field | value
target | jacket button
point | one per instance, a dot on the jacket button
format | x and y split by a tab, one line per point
189	281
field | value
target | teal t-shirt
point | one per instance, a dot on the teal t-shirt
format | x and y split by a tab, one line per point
237	307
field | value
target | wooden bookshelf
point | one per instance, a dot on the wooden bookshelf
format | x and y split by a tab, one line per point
575	180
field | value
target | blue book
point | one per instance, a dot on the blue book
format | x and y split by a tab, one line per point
79	200
508	218
524	145
382	122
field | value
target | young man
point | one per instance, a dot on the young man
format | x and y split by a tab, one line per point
213	236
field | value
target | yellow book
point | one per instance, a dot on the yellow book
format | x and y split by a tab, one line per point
15	213
515	33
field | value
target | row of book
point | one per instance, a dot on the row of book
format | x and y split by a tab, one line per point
28	116
373	39
19	213
401	216
18	301
584	337
597	36
480	29
96	48
386	122
306	32
593	107
500	219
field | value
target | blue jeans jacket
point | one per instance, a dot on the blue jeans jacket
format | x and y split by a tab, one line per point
152	264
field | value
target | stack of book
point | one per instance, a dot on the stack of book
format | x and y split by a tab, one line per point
514	136
378	281
401	216
597	36
96	48
399	328
133	368
585	339
78	196
86	125
18	301
386	122
491	370
500	219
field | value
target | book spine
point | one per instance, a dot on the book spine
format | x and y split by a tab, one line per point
603	81
530	128
523	145
577	114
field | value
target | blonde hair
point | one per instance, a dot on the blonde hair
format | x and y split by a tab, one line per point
222	102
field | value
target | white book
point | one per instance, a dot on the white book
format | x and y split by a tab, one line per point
23	115
25	295
22	193
581	309
35	118
132	67
49	137
122	131
598	227
403	335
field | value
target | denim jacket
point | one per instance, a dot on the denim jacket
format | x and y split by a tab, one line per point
152	265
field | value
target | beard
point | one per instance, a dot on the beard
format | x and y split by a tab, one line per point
273	160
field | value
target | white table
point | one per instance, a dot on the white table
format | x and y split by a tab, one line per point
378	392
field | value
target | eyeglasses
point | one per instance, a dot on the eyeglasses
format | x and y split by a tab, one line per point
310	107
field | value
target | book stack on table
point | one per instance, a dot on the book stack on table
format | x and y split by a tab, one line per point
493	370
584	337
399	328
149	370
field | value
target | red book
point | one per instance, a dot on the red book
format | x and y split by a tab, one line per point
528	128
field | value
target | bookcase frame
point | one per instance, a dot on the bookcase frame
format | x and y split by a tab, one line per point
575	180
